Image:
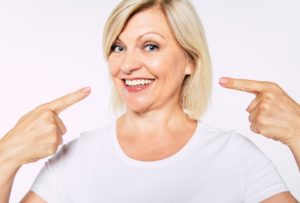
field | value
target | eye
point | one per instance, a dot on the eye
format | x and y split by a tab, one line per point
151	47
117	48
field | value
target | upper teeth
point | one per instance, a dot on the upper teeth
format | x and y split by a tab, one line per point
138	82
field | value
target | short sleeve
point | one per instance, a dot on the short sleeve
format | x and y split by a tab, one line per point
48	183
260	177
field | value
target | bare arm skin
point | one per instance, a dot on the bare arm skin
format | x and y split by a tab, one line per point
281	197
31	197
35	136
273	114
8	172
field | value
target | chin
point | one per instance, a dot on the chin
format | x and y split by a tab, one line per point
137	107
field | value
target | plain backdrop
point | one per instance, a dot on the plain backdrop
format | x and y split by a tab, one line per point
50	48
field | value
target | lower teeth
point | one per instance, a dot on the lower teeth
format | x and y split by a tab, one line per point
136	85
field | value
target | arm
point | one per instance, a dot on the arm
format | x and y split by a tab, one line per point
32	197
273	113
295	146
282	197
8	171
35	136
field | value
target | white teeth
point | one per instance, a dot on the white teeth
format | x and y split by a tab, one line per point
138	82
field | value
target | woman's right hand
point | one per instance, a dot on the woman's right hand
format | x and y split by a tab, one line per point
38	133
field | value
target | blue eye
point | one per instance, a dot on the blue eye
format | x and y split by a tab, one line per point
151	47
117	48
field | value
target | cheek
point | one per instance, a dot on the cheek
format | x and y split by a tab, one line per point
152	62
172	61
158	66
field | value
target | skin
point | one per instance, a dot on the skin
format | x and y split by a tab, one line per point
35	136
154	123
272	113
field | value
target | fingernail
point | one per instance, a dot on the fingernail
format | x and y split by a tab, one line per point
223	81
86	89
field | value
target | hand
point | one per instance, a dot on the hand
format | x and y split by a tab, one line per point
39	133
272	113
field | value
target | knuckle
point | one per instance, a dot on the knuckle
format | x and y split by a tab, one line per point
41	107
257	128
48	114
61	141
254	128
259	120
52	128
64	130
54	140
270	84
250	118
273	85
52	144
268	96
262	130
52	149
263	107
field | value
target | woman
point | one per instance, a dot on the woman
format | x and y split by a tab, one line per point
157	151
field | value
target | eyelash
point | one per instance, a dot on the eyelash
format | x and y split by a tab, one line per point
114	46
156	47
152	48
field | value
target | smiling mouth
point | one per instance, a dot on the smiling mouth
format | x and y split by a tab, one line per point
135	85
137	82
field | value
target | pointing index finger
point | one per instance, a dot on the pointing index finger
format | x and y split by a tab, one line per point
60	104
251	86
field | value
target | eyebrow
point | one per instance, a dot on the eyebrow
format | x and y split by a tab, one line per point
146	33
151	32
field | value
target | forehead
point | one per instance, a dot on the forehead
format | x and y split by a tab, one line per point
148	20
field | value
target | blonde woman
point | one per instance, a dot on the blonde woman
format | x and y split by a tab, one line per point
158	150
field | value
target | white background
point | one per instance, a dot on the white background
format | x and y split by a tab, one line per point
49	48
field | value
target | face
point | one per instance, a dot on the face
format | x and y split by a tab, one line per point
147	64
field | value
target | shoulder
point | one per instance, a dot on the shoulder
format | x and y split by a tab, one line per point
97	136
258	176
230	144
223	138
86	144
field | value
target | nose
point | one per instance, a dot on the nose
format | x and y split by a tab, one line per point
130	62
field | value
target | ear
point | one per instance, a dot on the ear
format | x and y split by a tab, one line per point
190	67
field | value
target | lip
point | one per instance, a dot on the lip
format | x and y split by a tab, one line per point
137	88
137	78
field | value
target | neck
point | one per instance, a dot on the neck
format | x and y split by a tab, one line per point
155	121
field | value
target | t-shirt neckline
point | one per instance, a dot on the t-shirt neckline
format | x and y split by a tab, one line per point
168	160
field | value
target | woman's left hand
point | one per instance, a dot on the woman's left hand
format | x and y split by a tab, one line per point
273	113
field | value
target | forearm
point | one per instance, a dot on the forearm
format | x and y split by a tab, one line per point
294	144
8	170
295	148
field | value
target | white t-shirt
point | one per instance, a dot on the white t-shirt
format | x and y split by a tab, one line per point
214	166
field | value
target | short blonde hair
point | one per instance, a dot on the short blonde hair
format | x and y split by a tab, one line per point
188	31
